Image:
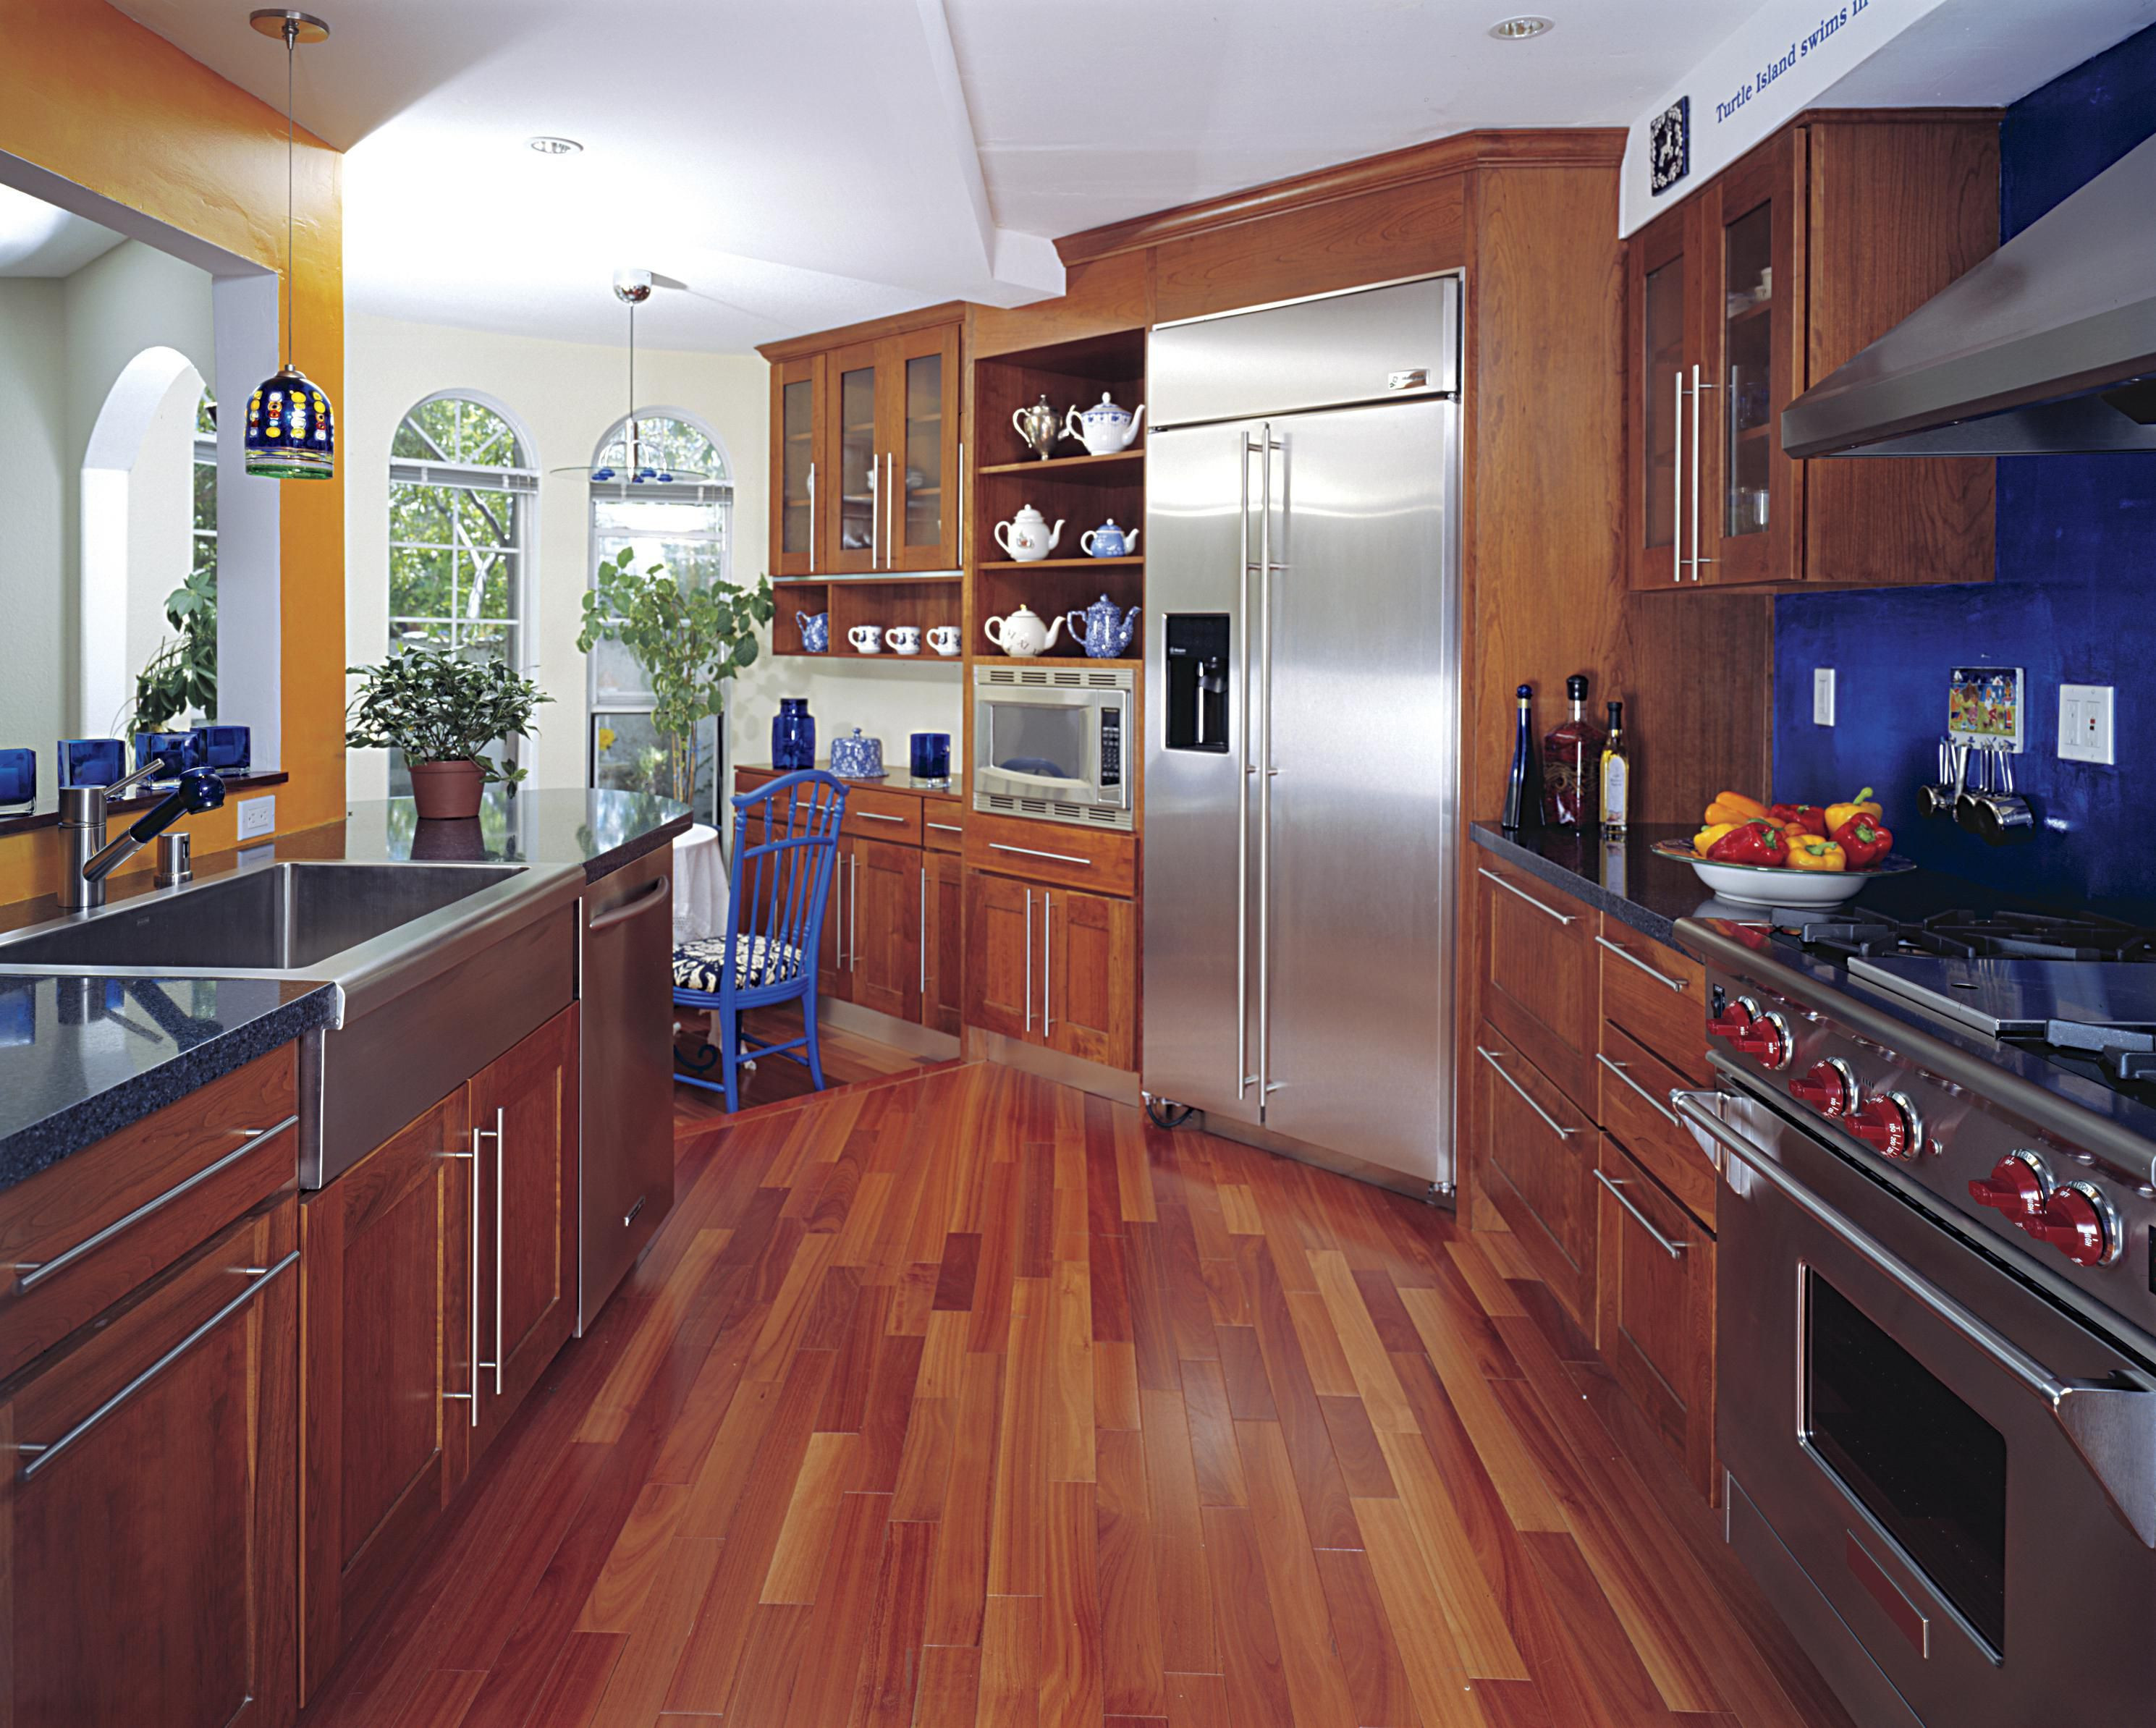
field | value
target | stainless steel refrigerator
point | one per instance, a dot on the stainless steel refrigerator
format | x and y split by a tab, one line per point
1302	722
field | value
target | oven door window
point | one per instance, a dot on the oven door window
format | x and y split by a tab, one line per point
1048	743
1928	1468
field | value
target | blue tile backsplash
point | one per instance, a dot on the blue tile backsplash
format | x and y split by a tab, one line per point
2075	600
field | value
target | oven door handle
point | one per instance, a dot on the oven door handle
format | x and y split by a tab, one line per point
2113	1428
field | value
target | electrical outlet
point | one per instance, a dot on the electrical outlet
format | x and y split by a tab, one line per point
1822	695
2085	731
258	817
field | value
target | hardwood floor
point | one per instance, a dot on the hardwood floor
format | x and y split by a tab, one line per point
849	1058
965	1398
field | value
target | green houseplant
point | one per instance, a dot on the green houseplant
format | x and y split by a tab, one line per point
181	676
442	712
688	640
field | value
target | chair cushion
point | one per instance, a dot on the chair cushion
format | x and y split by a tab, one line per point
702	965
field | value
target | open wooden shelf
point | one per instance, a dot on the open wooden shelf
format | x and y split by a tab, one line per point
1136	561
874	579
847	651
990	658
1076	468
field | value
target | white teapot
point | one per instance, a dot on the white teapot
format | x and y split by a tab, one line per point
1027	536
1104	429
1023	633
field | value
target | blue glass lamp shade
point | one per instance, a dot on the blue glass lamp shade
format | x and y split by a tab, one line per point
291	432
19	777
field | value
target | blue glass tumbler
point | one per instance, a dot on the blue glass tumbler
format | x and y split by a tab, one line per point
793	735
931	756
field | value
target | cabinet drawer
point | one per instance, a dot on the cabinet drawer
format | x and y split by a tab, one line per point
891	816
1655	1308
1656	996
1539	1166
75	1239
1539	974
1635	1091
1097	859
942	825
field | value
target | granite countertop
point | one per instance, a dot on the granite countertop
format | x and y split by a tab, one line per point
81	1057
953	789
1621	877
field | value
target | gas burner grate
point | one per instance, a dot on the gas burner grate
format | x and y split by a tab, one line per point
1961	934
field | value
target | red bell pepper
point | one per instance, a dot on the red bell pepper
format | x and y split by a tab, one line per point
1808	816
1752	843
1863	841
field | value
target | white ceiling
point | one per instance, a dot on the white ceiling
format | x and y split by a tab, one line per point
38	239
800	164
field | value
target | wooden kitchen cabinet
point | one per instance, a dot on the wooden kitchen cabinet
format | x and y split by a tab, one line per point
387	1266
1655	1308
796	437
1537	1153
1089	994
886	920
1002	955
148	1528
889	446
1755	288
1539	978
943	942
523	1110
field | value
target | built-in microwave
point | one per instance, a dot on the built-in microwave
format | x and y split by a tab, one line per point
1051	742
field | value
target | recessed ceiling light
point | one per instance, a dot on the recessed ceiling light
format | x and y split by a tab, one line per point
554	146
1520	28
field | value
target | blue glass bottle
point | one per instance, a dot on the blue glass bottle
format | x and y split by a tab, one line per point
793	735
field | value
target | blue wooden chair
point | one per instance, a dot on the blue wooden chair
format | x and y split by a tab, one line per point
786	848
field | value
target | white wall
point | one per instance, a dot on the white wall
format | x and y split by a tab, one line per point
161	514
565	395
36	490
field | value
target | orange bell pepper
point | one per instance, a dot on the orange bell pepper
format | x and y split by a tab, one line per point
1734	807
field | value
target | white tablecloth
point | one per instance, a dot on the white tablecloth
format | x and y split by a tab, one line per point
700	886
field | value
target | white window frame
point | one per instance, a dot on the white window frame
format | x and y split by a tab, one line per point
205	453
719	491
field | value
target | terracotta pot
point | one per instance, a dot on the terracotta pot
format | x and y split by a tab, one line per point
447	790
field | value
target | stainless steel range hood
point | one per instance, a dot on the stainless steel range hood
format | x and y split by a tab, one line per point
2048	345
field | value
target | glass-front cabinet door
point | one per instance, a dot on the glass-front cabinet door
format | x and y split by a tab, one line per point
854	513
926	472
1664	270
1750	498
796	538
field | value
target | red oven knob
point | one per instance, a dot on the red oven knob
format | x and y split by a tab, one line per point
1828	1087
1766	1040
2019	1186
2077	1222
1731	1022
1889	1125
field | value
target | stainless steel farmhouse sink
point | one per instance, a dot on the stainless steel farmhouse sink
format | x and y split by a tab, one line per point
438	969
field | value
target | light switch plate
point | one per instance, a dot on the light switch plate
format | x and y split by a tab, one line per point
1822	695
258	817
2085	724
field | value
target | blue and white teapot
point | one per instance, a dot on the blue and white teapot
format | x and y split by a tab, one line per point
1108	541
1104	429
1105	631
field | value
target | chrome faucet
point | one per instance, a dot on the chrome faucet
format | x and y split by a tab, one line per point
89	858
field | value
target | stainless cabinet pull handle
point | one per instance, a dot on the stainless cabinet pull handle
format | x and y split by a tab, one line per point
877	816
1527	1097
1028	959
924	936
1656	1104
1673	1249
1546	911
500	1215
1698	384
812	519
34	1272
1624	953
1053	857
958	508
853	914
1677	480
628	910
1047	959
472	1396
875	508
946	827
43	1455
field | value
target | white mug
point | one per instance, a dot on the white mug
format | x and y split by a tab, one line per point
904	638
944	639
866	640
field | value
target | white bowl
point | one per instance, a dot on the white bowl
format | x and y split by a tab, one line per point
1777	885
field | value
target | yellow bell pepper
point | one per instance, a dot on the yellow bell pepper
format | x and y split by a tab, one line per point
1863	803
1709	835
1808	851
1733	807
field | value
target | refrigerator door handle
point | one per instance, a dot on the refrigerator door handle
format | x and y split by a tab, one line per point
1265	567
1243	1074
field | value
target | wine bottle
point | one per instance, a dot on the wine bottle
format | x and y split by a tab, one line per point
1516	788
1572	755
1616	775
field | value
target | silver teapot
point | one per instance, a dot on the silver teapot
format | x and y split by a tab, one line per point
1040	427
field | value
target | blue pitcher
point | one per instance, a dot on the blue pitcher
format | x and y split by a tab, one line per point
1106	631
815	630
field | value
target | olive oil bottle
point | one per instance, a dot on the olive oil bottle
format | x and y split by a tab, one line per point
1616	799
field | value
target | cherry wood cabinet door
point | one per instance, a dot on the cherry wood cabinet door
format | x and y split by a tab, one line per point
834	957
1091	990
1537	1160
1662	272
849	475
797	406
943	934
892	924
391	1372
1002	956
921	465
146	1516
1654	1307
1540	977
523	1117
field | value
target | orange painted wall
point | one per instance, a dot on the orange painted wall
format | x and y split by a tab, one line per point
92	95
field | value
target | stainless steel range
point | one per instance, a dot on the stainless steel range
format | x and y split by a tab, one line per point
1937	1312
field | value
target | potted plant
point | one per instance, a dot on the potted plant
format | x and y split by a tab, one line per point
689	641
181	676
442	712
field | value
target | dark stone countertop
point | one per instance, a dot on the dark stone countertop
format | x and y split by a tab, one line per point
895	780
600	830
1623	878
81	1057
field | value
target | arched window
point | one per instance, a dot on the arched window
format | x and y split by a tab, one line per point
205	559
685	520
463	484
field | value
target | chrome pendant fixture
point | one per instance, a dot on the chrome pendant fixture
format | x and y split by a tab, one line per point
291	430
641	465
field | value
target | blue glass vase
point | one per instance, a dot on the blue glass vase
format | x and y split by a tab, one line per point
793	735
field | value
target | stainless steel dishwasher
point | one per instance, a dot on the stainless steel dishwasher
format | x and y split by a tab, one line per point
626	1034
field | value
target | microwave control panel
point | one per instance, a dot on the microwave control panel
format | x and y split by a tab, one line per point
1112	747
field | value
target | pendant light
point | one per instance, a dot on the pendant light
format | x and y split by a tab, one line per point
291	432
637	468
